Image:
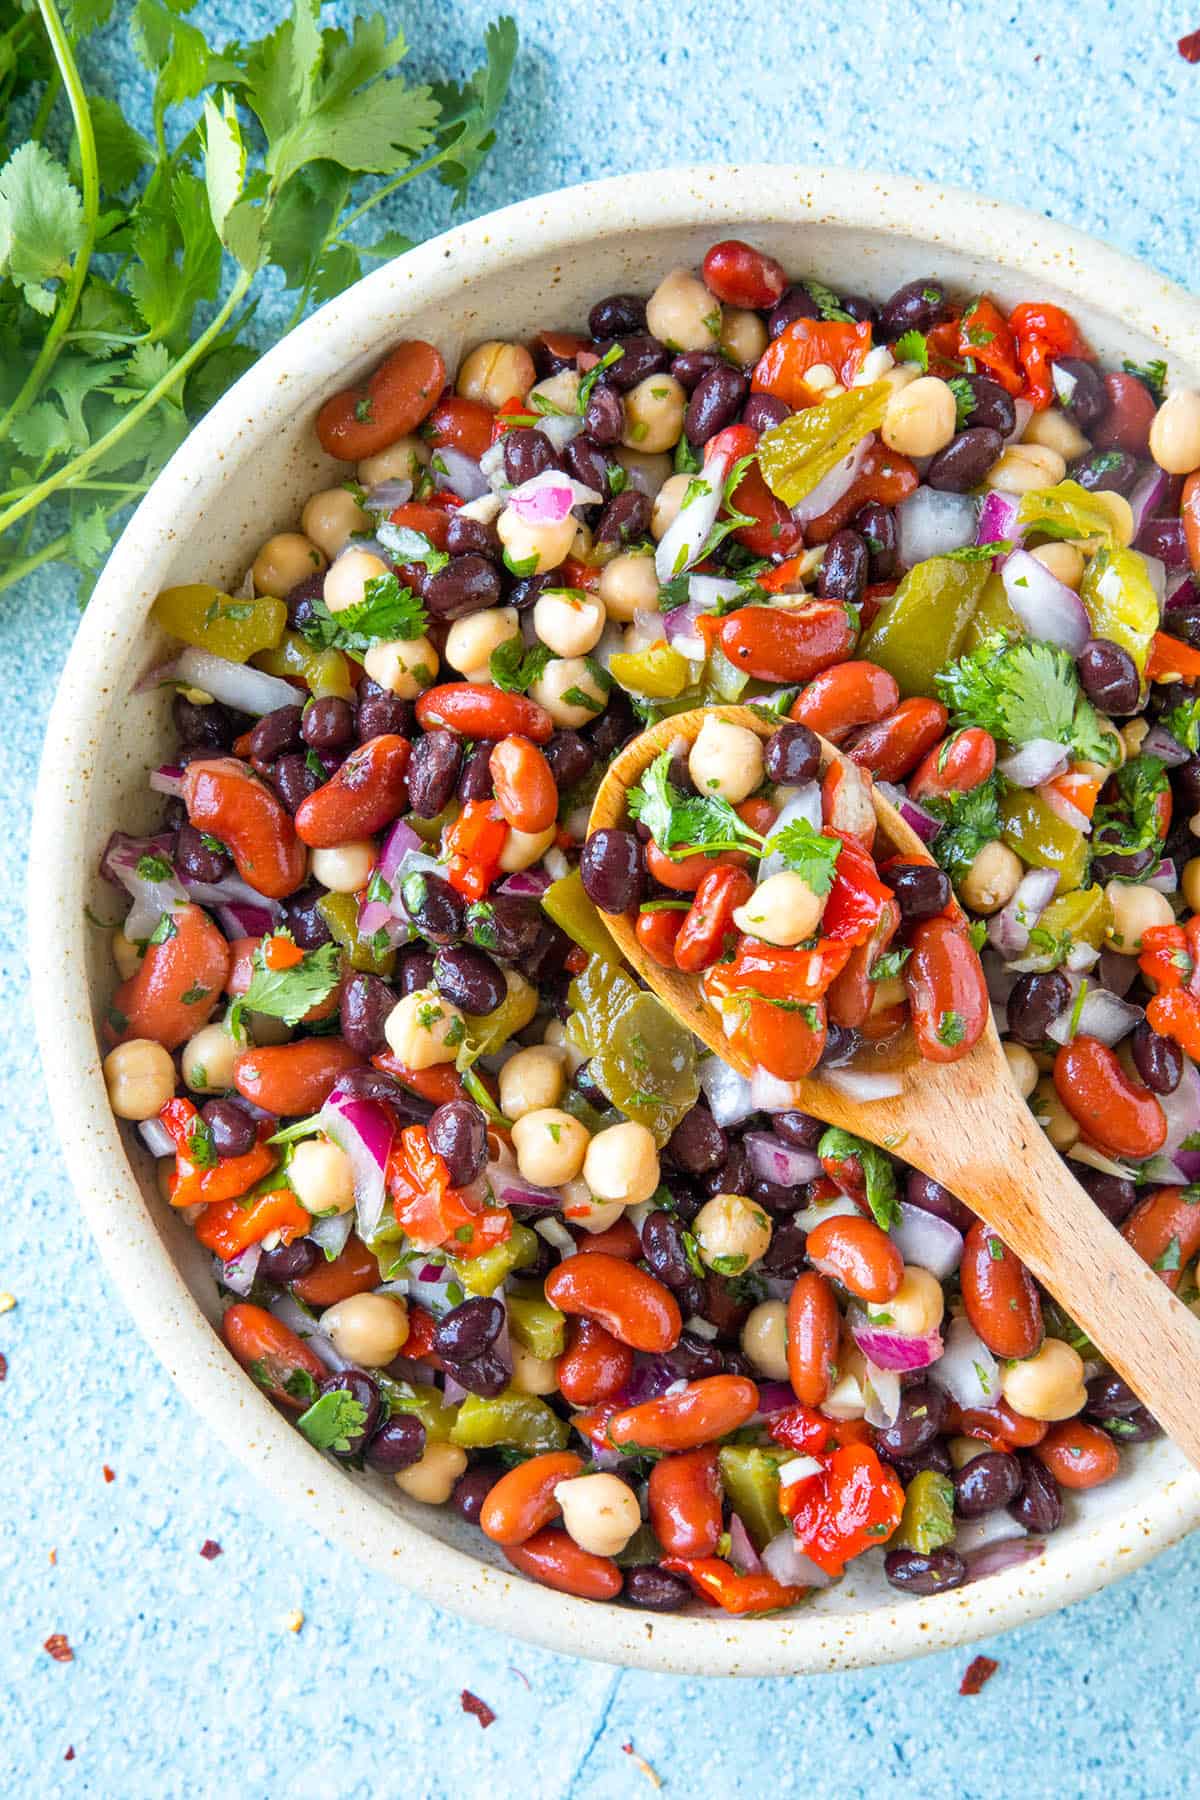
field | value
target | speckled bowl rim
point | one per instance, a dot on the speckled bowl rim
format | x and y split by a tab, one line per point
1017	242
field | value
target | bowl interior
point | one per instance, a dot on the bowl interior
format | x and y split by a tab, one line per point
244	473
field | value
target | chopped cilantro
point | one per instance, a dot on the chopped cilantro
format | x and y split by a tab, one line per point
808	852
386	612
1132	822
889	965
911	347
193	994
964	400
827	302
1152	375
878	1172
1023	691
729	1265
699	821
977	553
165	930
951	1029
687	459
408	546
515	669
521	566
288	994
1170	1260
612	355
153	868
969	821
334	1421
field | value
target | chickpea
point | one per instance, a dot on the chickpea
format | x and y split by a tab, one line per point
570	692
964	1450
682	313
331	518
622	1164
284	560
646	473
495	372
140	1078
992	879
918	1304
533	1374
431	1481
1021	1067
1064	561
126	954
369	1329
470	641
1118	511
555	1038
401	461
654	412
582	548
1047	1385
535	549
1132	736
1053	1116
581	1208
667	504
559	391
600	1512
900	375
629	584
404	667
423	1029
1055	431
347	578
207	1060
550	1146
524	848
764	1339
1023	467
726	760
732	1233
1134	910
569	623
344	868
1175	432
782	910
743	335
920	418
1190	883
530	1081
323	1177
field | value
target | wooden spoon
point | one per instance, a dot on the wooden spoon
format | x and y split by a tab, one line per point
965	1124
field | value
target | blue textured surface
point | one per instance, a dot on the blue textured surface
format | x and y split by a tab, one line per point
186	1679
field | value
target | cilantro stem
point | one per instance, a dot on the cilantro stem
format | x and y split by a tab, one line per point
50	552
46	105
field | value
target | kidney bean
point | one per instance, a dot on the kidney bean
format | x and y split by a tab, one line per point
292	1080
1038	1504
917	306
856	1253
624	519
224	799
655	1589
619	1240
697	1144
684	1502
935	1573
176	986
956	767
1164	1229
774	645
740	275
1129	416
477	711
364	419
1078	1455
613	869
366	793
594	1367
467	584
1109	676
992	405
843	572
457	423
884	475
762	411
704	1411
1158	1060
264	1344
715	403
986	1484
555	1560
813	1333
893	748
1036	1001
965	461
774	532
796	303
708	922
1121	1119
628	1302
523	784
947	994
522	1500
433	772
1002	1302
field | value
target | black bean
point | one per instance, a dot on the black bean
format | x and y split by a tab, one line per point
934	1456
1088	400
1034	1004
458	1134
791	755
694	1358
776	1198
196	859
613	868
603	416
1038	1504
507	925
485	1375
467	584
655	1589
697	1143
381	714
917	306
546	958
1113	1194
965	461
795	303
300	599
275	732
715	403
366	1002
375	1084
209	727
843	574
617	315
570	758
433	772
991	405
1110	1397
397	1445
734	1175
475	780
466	536
233	1130
861	310
920	1418
360	1388
876	525
614	727
472	1489
923	1191
785	1253
640	356
414	972
1109	677
798	1129
525	592
587	462
328	723
1160	537
588	1088
936	1573
1119	865
624	519
437	910
1158	1060
763	411
691	366
294	779
470	980
302	919
1113	469
466	1331
288	1262
736	1362
986	1483
922	891
662	1247
527	452
1182	616
1137	1427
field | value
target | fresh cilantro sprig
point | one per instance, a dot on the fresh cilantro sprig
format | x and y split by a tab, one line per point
1021	691
827	302
878	1172
911	347
964	400
682	823
969	821
612	355
515	669
334	1421
409	546
1152	374
1131	822
288	994
808	852
386	612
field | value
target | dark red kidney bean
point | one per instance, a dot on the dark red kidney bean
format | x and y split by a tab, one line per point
458	1134
603	417
465	536
587	462
613	868
876	525
414	971
624	519
570	757
469	979
694	1358
991	405
360	1387
655	1590
965	461
1115	469
922	891
617	315
733	1176
791	755
785	1253
986	1483
288	1262
302	919
375	1084
475	781
762	411
207	726
467	584
294	780
843	574
1158	1060
690	368
366	1002
1109	676
917	306
233	1130
195	859
466	1331
662	1247
275	732
715	403
472	1489
798	1129
1034	1004
433	772
1113	1194
527	452
507	925
641	355
1088	401
435	908
697	1143
397	1445
1038	1502
328	723
936	1573
797	303
381	714
920	1418
923	1191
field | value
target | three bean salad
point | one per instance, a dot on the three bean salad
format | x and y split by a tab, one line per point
487	1219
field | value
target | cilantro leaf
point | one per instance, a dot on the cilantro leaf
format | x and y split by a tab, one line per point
964	400
386	612
1152	374
910	346
288	994
696	821
808	852
1183	723
515	669
826	301
334	1421
612	355
1132	821
889	965
408	546
41	224
878	1172
1021	691
970	821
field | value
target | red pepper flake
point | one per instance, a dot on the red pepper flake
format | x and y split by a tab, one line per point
53	1558
479	1709
210	1549
70	1756
1189	47
978	1672
109	1474
56	1645
652	1775
3	1367
522	1675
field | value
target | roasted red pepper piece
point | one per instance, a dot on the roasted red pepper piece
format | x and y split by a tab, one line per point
719	1582
429	1210
193	1182
709	919
1043	334
800	346
226	1227
853	1505
1167	959
772	973
474	843
857	898
984	336
810	1433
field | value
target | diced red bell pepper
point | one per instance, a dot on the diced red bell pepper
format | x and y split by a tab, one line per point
984	336
1172	660
857	897
810	1433
280	952
1043	334
1166	958
1177	1015
474	843
227	1228
193	1182
720	1582
774	973
801	346
853	1505
429	1210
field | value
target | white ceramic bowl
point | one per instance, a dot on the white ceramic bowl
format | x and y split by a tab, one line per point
244	473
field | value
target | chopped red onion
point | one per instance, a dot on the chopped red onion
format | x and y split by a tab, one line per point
152	897
881	1391
785	1560
927	1240
775	1396
1024	412
364	1130
1008	931
830	489
1182	1108
681	631
512	1189
234	684
1041	759
386	496
966	1369
530	883
685	537
1101	1015
167	780
401	838
460	473
857	1085
895	1352
231	890
742	1554
240	919
931	523
1064	383
918	820
1009	1554
773	1160
548	498
1047	607
238	1274
728	1093
1148	497
1165	878
1080	958
998	519
1159	742
156	1137
297	1318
